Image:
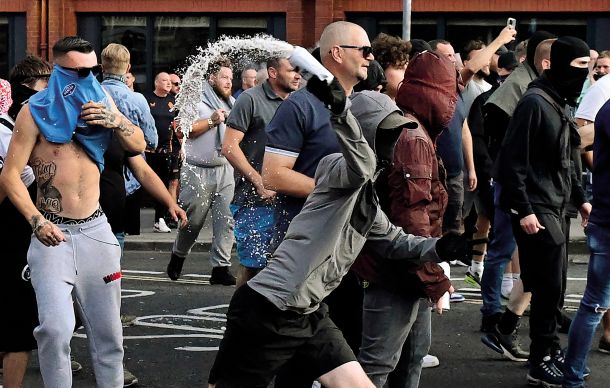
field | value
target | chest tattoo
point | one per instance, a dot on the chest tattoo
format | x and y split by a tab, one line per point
50	198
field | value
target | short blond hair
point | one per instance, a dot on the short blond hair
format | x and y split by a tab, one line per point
115	59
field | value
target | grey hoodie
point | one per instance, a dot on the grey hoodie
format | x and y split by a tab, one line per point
339	216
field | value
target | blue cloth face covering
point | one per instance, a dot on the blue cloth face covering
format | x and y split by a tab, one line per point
56	111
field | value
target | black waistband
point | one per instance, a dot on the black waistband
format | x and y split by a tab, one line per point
54	218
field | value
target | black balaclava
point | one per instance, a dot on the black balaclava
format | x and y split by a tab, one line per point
566	79
532	43
20	94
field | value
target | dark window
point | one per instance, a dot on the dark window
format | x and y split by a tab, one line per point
4	48
177	38
164	43
130	31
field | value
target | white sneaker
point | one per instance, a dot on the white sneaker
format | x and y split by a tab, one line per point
456	298
429	361
161	227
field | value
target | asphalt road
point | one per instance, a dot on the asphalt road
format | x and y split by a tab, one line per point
179	326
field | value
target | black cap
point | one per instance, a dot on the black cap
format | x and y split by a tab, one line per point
418	46
508	61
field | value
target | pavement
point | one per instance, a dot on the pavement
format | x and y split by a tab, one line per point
151	241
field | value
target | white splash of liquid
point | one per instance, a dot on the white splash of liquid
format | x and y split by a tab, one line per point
239	50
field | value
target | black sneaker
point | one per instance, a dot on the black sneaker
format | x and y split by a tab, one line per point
560	362
506	344
174	268
489	322
604	345
221	275
545	374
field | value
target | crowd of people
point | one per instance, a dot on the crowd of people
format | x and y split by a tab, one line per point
347	201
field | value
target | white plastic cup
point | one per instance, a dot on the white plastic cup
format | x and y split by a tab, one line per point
302	58
445	298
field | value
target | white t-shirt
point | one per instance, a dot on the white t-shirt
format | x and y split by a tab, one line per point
27	176
595	98
472	90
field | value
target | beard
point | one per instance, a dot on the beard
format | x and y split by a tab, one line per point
222	93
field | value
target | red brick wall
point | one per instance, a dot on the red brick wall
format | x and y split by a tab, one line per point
305	19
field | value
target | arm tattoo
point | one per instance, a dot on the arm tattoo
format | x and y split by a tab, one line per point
125	127
37	222
49	199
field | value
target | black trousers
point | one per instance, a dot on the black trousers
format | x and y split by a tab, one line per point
543	262
160	163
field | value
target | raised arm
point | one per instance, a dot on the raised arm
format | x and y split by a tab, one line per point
359	162
204	124
483	57
130	136
19	152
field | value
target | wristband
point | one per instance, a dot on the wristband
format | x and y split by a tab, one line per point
211	123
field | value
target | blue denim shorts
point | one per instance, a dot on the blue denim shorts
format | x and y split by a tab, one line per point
253	231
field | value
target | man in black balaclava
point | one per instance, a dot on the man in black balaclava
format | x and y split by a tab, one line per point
28	77
538	179
568	77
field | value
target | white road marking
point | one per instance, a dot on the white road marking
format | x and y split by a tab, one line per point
142	272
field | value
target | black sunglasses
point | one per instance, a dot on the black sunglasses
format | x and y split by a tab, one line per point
84	72
176	83
366	50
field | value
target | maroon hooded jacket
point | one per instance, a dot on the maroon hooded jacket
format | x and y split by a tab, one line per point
418	198
415	182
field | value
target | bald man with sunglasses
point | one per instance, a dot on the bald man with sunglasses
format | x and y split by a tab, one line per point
299	136
62	134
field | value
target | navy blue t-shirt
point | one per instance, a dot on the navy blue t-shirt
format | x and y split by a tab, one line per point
300	129
600	215
449	143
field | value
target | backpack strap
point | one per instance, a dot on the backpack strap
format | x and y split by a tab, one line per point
7	123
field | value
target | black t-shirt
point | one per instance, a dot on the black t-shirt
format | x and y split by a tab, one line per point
160	109
112	185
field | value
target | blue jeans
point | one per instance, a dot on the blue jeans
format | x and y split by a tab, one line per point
396	335
499	252
595	302
120	236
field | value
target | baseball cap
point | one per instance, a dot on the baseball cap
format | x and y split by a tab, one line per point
508	61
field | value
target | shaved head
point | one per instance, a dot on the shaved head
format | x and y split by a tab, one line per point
345	51
338	33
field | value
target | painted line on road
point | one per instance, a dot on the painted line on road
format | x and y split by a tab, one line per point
166	280
135	293
142	272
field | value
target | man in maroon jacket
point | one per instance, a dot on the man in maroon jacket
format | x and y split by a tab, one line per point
412	194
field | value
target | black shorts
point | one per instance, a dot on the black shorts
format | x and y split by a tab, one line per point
260	338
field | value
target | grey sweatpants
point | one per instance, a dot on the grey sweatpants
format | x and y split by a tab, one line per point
84	269
203	189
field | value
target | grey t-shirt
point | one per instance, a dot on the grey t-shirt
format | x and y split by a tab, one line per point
251	113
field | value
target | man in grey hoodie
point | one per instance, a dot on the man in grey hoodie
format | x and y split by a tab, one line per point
278	316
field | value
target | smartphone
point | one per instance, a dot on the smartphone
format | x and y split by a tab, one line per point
512	22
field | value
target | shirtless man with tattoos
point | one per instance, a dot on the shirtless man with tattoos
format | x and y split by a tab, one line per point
63	133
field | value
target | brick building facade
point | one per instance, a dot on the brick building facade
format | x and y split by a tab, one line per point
33	26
